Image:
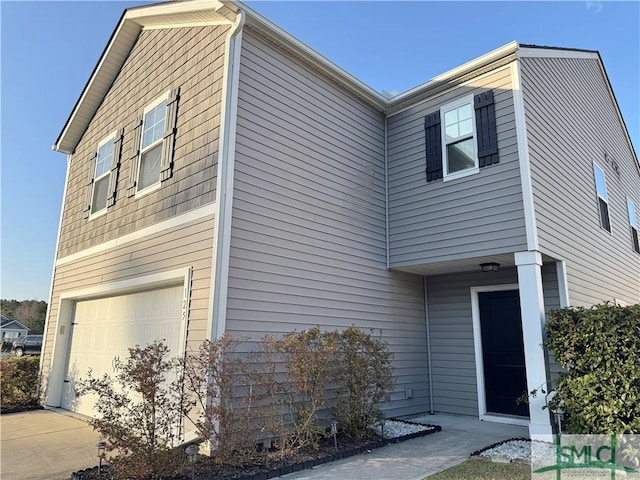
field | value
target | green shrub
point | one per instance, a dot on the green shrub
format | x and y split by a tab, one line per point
19	382
364	378
600	350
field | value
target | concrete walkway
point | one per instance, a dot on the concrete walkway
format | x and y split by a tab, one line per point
418	458
47	444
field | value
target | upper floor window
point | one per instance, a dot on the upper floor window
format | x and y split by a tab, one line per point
154	138
104	165
461	137
601	190
633	224
104	159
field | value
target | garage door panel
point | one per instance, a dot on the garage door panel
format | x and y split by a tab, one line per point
106	328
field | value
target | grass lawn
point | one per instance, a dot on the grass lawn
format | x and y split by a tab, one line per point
485	469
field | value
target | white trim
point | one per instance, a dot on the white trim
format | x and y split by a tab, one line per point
386	193
599	197
477	344
106	174
53	276
173	222
204	23
145	11
474	64
531	228
454	105
428	331
524	52
508	419
563	284
224	187
157	142
66	310
532	311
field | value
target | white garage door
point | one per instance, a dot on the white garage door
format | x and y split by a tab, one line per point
106	328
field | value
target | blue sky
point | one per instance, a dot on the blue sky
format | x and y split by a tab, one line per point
48	50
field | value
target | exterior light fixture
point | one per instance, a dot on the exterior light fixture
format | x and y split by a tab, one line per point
102	448
490	267
192	453
382	419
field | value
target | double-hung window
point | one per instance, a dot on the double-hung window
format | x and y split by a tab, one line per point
603	204
104	159
633	225
153	126
104	165
458	135
461	137
154	137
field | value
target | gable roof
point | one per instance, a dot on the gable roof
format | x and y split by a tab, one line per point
221	12
6	322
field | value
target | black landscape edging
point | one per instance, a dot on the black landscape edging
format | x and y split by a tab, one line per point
299	466
497	444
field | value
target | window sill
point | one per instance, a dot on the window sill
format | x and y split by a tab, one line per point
146	191
461	174
98	214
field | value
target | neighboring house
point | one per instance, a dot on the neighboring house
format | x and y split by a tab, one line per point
222	176
11	329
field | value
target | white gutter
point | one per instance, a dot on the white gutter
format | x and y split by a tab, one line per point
45	332
224	186
386	191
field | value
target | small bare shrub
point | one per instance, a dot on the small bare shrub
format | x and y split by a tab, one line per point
213	376
364	378
140	413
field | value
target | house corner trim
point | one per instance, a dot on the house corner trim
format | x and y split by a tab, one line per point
224	187
523	157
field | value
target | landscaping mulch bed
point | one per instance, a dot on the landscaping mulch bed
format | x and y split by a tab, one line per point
20	408
266	465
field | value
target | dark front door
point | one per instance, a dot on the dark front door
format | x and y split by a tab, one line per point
505	377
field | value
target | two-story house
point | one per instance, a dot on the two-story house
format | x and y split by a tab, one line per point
224	177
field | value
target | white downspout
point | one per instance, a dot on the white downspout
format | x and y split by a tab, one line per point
386	191
224	184
426	323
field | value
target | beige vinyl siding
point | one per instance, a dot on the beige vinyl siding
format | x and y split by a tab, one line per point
571	123
551	296
148	255
477	215
190	58
308	228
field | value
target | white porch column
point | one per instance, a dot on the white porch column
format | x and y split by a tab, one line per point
533	319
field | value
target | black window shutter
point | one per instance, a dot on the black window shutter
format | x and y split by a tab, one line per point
115	168
433	141
133	160
166	167
92	172
486	129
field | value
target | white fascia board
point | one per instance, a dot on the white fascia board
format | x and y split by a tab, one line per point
463	69
542	52
171	8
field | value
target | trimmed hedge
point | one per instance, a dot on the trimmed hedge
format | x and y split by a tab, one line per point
18	382
600	350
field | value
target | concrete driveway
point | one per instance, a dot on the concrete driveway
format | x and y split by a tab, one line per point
45	444
48	444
